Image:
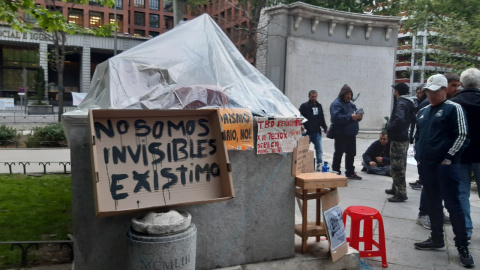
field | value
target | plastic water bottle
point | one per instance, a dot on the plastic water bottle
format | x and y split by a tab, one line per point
325	167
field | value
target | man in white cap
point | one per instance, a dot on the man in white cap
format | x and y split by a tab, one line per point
440	137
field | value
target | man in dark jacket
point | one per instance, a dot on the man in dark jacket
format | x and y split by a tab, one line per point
313	112
439	140
344	117
403	115
469	99
376	160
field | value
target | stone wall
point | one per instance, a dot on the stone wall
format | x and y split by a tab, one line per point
257	225
306	47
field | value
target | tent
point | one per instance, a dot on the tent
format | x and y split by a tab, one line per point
195	58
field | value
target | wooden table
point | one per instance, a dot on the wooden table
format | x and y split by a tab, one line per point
310	186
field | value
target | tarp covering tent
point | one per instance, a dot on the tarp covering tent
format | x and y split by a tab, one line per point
178	68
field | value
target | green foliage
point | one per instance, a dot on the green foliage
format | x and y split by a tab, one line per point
8	135
382	7
40	85
50	135
455	25
33	208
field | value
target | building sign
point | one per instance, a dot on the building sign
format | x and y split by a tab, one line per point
238	126
8	33
152	158
278	135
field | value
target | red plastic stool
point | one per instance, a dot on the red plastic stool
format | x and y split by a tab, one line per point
367	214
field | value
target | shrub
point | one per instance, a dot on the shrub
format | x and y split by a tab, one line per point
8	135
40	86
50	135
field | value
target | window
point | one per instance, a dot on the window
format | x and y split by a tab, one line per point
95	3
417	76
76	16
154	4
119	4
139	18
139	33
29	18
119	22
96	19
168	22
418	60
139	3
14	59
153	33
419	41
168	6
154	20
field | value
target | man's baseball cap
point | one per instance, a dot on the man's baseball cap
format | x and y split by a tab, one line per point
401	87
436	82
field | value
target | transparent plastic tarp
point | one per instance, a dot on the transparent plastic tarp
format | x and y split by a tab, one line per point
192	66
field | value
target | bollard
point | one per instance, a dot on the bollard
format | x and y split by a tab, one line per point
175	250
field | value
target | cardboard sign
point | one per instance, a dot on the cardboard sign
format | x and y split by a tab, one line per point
338	244
238	126
303	160
278	135
151	158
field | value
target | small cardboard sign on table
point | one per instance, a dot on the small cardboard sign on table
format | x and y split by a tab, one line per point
144	159
321	187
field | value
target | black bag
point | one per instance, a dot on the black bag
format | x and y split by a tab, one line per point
331	132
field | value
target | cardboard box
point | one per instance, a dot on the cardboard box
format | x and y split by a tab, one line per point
146	159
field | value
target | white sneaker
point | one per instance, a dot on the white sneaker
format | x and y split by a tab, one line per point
424	221
319	167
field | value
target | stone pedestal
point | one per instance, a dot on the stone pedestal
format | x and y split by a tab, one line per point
257	225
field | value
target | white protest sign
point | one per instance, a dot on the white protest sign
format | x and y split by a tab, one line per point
336	230
278	135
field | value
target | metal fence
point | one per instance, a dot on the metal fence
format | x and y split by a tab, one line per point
33	167
17	115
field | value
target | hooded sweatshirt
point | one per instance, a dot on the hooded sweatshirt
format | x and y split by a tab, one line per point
403	115
469	99
341	115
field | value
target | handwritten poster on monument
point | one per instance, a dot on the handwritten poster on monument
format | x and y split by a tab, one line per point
278	135
152	158
238	126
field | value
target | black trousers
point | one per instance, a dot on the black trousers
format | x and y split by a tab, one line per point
347	145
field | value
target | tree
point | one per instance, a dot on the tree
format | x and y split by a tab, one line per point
251	9
454	27
53	26
40	85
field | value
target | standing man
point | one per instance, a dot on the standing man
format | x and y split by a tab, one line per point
453	84
313	112
376	160
403	115
469	99
440	137
344	117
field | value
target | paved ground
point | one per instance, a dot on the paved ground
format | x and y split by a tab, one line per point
399	218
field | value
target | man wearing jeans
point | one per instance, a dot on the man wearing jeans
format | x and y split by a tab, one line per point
469	98
440	137
313	112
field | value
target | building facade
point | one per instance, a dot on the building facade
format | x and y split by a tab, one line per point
137	21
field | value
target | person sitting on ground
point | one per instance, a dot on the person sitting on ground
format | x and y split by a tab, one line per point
376	160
